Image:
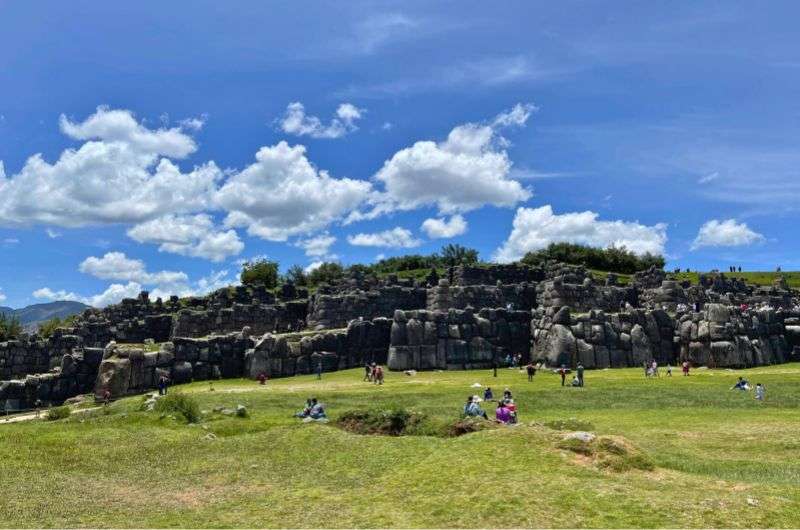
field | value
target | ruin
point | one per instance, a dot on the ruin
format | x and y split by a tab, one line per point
470	317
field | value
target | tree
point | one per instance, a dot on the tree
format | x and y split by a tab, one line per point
612	259
297	275
327	272
47	328
260	272
453	255
9	327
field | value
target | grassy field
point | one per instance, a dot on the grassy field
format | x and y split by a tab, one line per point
721	458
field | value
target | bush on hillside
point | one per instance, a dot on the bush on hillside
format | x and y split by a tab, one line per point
260	272
58	413
179	403
612	259
10	328
328	272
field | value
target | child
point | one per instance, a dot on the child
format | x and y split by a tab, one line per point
760	391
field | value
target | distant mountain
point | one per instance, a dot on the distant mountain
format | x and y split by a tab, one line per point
31	316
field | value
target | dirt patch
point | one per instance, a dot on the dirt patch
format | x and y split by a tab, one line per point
611	453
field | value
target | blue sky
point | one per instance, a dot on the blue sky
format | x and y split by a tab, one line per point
171	140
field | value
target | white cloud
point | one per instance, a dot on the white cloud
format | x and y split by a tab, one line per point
52	234
396	238
313	266
117	266
442	228
117	175
375	31
11	241
726	233
296	121
318	246
282	194
193	124
112	295
535	228
117	291
468	170
194	236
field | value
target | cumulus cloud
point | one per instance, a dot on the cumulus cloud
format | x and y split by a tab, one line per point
296	121
318	246
282	194
119	174
112	295
468	170
726	233
396	238
443	228
535	228
115	292
190	235
118	266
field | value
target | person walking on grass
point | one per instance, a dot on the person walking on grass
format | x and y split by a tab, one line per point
685	368
377	375
319	370
531	369
563	373
580	374
669	370
367	373
760	391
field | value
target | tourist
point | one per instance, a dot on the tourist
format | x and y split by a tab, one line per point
512	411
472	409
162	385
760	390
487	394
319	369
579	370
531	369
317	411
563	373
502	414
507	398
655	368
262	378
377	375
106	397
367	372
646	366
685	368
669	370
575	381
741	384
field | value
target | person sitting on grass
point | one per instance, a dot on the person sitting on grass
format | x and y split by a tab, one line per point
502	414
317	411
488	395
575	381
741	384
472	409
306	410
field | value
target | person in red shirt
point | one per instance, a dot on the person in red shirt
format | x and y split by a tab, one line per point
563	373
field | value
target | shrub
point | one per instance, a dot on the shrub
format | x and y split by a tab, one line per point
391	422
58	413
328	272
262	271
613	259
179	403
10	327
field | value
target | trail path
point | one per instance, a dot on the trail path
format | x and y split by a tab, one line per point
42	414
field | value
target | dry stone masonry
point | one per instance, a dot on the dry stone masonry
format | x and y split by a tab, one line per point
468	317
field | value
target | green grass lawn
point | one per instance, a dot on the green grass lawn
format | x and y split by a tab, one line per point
722	459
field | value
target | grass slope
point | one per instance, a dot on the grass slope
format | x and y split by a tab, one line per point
714	449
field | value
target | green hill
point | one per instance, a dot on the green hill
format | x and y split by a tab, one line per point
718	457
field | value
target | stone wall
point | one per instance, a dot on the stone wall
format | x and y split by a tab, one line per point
725	336
259	318
363	341
75	374
600	340
444	297
506	274
456	339
329	311
584	296
133	370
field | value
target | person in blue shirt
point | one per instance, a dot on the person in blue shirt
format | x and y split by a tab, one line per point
472	409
